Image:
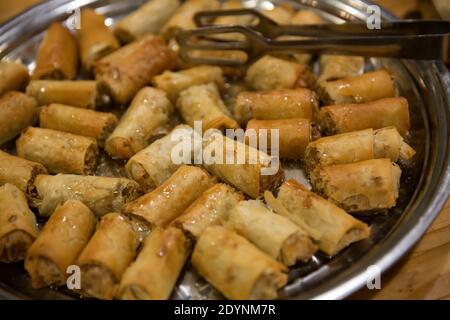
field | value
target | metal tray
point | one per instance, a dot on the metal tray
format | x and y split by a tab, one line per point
425	184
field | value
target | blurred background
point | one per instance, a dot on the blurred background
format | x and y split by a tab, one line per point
425	9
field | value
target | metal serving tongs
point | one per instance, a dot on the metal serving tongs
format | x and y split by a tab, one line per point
407	39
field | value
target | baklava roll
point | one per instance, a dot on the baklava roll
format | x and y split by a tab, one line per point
58	245
57	56
101	194
17	111
154	273
276	104
329	226
294	135
124	72
253	173
271	73
147	116
367	87
13	76
182	19
106	256
83	122
94	38
175	82
236	267
357	146
59	152
203	103
274	234
80	93
154	165
18	228
369	185
334	67
169	200
211	208
388	143
19	172
376	115
149	18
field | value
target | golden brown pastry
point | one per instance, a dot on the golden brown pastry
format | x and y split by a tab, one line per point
18	228
236	267
17	111
376	115
276	104
59	152
19	172
370	185
124	72
276	235
148	115
57	247
169	200
13	76
211	208
101	194
367	87
83	122
106	256
329	226
94	38
154	273
57	56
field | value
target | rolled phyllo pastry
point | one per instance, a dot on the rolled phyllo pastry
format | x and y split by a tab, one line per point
154	165
18	228
94	38
147	116
182	19
274	234
232	20
149	18
100	194
388	143
357	146
334	67
252	171
58	245
175	82
154	273
59	152
57	56
19	172
203	103
211	208
17	111
169	200
276	104
106	256
83	122
124	72
329	226
13	76
294	135
80	93
236	267
369	185
271	73
376	115
367	87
